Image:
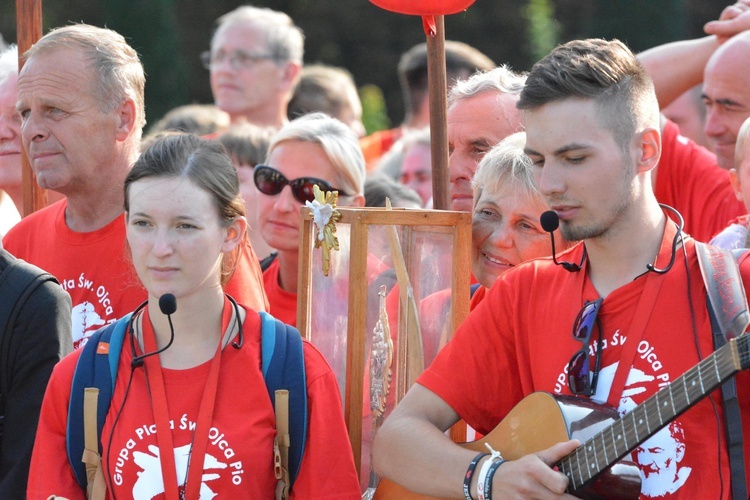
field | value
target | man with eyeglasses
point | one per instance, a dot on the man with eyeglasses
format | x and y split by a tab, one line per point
255	62
627	302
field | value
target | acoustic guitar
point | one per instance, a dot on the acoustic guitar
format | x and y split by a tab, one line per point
541	420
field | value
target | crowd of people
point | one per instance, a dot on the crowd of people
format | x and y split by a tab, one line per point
591	190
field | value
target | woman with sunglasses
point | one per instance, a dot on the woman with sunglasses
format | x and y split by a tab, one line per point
311	150
190	414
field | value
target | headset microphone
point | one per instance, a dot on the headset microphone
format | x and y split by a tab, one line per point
550	222
238	321
168	306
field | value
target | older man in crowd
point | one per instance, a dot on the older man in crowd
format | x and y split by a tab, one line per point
255	62
80	97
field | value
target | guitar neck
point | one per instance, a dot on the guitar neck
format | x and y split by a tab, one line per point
623	436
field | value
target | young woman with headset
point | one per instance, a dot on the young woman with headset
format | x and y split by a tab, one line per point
190	415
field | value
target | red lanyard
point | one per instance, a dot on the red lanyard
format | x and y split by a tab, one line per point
643	311
161	415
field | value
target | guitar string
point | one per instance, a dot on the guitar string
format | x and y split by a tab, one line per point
723	367
644	412
592	471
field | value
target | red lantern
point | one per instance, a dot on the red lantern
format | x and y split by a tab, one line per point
424	7
432	12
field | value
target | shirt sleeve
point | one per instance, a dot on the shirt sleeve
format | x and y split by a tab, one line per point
477	372
327	469
689	180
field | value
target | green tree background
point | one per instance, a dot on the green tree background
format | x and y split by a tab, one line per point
355	34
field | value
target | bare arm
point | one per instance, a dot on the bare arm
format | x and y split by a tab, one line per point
678	66
412	450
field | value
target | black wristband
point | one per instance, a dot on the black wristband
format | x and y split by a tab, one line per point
470	474
490	474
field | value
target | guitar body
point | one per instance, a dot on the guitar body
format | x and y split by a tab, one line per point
539	421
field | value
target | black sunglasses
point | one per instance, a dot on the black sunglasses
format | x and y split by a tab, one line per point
270	181
580	379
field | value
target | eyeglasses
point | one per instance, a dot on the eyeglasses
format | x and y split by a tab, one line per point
580	379
239	59
270	181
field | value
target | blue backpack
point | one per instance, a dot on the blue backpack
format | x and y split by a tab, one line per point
283	368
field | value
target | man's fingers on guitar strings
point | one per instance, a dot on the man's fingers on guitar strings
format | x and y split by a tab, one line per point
528	477
554	453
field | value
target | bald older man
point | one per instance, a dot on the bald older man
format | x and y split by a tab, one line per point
726	93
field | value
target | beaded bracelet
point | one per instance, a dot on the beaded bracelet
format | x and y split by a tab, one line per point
490	474
470	474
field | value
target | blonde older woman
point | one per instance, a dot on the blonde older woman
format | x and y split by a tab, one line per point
507	206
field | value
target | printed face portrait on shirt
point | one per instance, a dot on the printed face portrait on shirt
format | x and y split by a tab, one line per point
658	458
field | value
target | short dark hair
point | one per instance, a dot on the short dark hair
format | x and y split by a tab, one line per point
461	61
321	88
198	119
603	70
378	187
247	144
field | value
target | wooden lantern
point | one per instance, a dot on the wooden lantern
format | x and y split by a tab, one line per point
395	269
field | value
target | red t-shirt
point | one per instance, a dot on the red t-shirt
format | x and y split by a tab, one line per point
239	456
477	297
689	180
282	304
96	270
524	326
375	145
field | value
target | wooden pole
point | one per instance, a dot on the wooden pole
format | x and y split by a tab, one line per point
29	29
438	115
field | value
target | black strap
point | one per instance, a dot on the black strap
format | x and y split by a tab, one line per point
266	262
17	282
727	309
8	294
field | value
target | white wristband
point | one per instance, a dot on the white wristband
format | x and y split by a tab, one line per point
494	457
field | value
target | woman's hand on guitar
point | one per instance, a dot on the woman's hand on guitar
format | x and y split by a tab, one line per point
531	476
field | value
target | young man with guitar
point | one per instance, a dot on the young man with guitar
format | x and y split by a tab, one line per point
631	293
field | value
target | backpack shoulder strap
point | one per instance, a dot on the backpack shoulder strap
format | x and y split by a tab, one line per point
728	312
93	384
266	262
740	254
18	281
283	367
